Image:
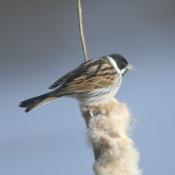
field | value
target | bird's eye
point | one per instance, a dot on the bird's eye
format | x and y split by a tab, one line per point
125	63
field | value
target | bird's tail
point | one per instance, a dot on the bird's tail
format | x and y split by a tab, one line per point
35	102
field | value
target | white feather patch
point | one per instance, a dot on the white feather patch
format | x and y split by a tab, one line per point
114	65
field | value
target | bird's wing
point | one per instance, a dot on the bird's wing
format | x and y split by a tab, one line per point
62	80
88	76
69	75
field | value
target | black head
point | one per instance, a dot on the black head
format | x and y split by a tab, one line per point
120	60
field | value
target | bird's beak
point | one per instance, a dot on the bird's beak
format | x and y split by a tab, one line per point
129	67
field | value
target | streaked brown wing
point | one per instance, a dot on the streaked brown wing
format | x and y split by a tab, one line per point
100	74
90	84
68	77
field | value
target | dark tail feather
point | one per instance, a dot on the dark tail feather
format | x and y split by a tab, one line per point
32	103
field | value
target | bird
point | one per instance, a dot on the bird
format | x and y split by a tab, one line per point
92	82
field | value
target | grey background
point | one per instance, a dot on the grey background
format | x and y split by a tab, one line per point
39	41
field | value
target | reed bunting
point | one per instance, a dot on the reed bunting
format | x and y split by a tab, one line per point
95	81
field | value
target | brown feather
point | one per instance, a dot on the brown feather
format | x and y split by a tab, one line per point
88	83
94	74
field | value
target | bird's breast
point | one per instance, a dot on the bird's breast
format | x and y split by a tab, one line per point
101	95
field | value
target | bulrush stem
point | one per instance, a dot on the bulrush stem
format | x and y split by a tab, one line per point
81	30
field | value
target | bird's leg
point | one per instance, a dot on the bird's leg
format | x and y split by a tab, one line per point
90	112
87	114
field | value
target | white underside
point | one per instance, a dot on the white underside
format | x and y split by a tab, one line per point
98	96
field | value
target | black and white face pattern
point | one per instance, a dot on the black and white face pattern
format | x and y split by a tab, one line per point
121	62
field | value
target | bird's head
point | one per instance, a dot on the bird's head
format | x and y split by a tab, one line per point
121	62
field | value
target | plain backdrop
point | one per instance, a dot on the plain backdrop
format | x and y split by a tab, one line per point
39	42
